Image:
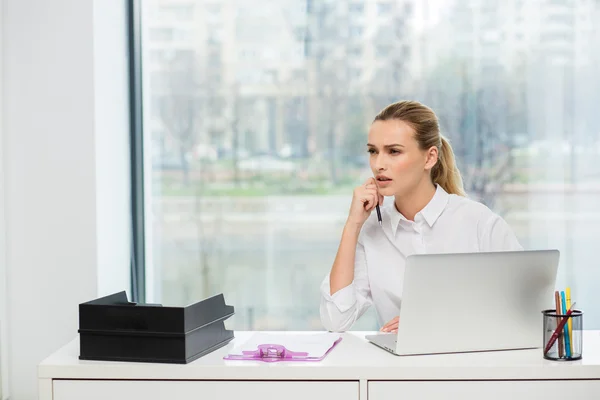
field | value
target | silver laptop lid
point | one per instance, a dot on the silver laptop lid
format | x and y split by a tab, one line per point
476	301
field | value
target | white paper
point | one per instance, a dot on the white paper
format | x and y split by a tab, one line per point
315	344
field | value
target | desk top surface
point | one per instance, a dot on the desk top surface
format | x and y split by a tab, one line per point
353	358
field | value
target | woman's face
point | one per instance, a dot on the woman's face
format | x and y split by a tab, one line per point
397	162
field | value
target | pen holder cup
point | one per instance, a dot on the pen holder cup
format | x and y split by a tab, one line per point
567	345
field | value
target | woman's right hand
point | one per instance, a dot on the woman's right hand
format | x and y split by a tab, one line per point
364	200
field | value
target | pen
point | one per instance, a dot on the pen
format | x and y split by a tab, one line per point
558	329
561	347
378	214
566	328
570	323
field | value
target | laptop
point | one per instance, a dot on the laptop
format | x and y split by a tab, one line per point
468	302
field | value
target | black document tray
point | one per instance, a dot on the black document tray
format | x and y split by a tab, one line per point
112	328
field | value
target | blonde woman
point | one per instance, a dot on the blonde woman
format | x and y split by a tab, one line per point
413	162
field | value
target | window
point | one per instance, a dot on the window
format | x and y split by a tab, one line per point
384	9
215	36
355	74
299	76
157	56
356	31
253	145
161	34
181	34
557	37
356	8
383	52
355	52
213	11
559	2
248	54
177	12
565	19
159	81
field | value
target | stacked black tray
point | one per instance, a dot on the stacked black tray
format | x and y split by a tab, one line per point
114	329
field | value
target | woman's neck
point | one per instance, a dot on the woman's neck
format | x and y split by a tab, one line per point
409	205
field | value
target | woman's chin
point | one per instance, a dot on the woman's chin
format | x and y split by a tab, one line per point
386	191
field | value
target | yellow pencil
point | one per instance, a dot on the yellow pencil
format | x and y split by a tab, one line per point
570	322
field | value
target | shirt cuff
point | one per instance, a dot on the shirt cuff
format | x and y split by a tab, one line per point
344	299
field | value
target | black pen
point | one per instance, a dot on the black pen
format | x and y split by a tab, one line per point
378	214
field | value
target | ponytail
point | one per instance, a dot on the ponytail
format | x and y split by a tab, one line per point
445	172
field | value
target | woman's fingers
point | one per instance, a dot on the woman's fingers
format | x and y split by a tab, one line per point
370	196
373	202
369	199
391	326
372	184
370	181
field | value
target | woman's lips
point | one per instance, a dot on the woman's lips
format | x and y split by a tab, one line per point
384	183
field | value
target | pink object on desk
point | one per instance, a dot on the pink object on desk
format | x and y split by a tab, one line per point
278	352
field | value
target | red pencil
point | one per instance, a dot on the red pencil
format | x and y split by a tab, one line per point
559	329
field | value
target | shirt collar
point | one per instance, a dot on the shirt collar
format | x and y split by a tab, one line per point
430	212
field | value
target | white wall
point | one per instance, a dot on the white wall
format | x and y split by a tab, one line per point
111	91
66	171
3	313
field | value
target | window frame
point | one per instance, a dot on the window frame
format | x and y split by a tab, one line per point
138	257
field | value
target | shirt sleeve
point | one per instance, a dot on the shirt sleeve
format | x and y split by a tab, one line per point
340	310
498	236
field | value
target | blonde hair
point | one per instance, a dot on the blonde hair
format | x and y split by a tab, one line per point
427	133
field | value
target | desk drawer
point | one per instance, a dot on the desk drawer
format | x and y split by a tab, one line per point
489	390
197	390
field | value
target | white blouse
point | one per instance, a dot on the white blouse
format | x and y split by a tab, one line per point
448	224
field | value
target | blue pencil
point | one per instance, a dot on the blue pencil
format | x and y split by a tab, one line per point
566	328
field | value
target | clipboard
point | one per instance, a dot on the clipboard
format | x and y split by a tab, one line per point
286	348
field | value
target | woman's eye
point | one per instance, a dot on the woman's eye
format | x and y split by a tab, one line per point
371	151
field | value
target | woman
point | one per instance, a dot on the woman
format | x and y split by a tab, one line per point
413	162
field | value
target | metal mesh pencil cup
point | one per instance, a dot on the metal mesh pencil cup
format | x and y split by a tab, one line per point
568	344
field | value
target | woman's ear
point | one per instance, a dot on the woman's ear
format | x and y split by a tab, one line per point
432	158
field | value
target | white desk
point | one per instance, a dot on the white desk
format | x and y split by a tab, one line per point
355	369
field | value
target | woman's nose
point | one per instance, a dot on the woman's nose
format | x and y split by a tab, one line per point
380	163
